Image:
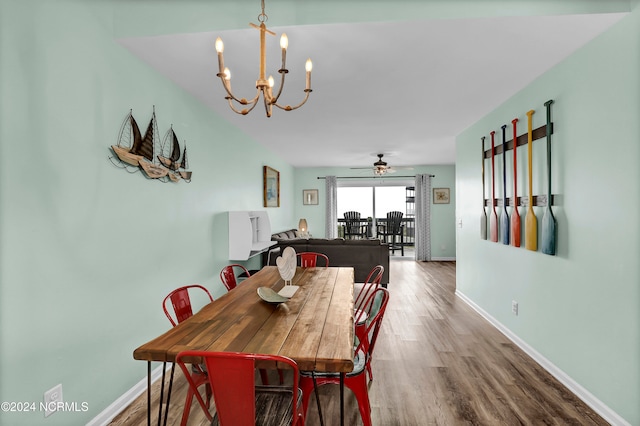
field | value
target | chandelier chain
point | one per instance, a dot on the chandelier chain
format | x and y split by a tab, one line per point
263	16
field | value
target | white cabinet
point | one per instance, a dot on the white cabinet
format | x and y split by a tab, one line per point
249	234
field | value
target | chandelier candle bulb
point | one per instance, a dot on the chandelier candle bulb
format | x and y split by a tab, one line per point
308	66
220	50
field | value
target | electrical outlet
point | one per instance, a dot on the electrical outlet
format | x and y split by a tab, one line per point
51	399
514	307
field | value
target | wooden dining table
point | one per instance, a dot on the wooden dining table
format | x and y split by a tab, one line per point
314	327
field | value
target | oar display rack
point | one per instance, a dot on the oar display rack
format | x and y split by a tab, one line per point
538	200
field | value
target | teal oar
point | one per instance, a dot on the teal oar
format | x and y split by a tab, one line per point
548	220
504	216
483	219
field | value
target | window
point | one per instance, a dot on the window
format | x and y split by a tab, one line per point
371	201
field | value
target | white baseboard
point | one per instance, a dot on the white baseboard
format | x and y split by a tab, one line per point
109	413
598	406
443	259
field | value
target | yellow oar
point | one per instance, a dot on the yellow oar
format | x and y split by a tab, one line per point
531	222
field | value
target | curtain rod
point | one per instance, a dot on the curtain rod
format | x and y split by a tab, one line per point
370	177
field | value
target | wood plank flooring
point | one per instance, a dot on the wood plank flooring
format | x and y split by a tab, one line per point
437	362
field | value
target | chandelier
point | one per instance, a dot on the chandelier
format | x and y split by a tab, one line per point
264	86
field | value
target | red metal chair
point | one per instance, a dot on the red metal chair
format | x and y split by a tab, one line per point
371	283
309	259
181	303
228	275
363	312
357	379
239	402
228	278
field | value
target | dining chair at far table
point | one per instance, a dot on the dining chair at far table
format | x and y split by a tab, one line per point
309	259
182	309
238	400
353	226
355	380
392	228
228	275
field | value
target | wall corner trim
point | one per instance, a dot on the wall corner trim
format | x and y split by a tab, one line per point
587	397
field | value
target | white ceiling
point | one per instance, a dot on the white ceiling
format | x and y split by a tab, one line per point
405	89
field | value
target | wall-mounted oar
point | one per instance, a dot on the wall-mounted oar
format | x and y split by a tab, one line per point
493	222
548	220
504	216
515	215
531	222
483	219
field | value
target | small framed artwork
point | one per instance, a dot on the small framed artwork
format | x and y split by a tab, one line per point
440	195
309	197
271	187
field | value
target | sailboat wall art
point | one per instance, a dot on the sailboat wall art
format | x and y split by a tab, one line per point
163	161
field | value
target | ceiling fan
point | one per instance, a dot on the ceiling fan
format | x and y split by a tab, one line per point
380	167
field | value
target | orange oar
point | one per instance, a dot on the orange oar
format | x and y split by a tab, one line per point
515	215
493	222
483	219
531	222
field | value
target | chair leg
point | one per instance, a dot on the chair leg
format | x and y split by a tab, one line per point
358	386
198	379
264	377
306	386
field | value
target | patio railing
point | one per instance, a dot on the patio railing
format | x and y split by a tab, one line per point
408	228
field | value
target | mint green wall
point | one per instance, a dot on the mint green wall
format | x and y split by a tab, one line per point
88	251
581	308
443	238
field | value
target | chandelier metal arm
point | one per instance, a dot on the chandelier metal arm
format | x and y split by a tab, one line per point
242	111
241	101
290	108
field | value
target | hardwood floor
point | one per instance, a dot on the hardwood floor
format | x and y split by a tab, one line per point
437	362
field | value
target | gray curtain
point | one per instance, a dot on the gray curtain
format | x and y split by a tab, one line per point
331	214
423	217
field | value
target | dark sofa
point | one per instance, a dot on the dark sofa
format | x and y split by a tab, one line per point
362	255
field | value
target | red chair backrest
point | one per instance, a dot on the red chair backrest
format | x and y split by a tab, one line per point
371	283
309	259
376	314
228	275
181	303
232	381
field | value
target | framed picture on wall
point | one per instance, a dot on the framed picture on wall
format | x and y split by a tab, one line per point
309	197
440	195
271	187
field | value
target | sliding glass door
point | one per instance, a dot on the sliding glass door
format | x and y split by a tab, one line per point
373	202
